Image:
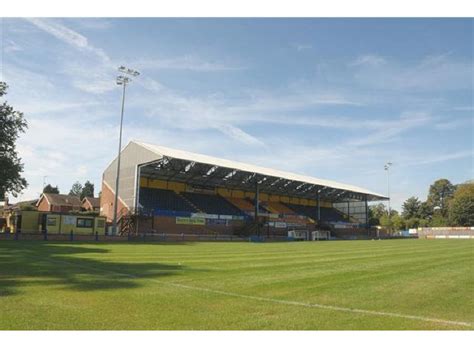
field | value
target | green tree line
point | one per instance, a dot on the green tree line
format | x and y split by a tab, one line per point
446	205
77	189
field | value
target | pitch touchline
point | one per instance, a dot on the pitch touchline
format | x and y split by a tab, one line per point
279	301
327	307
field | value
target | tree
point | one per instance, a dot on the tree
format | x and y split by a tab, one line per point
12	123
441	191
438	220
411	208
398	223
412	223
461	207
76	190
376	212
50	189
426	210
394	222
87	190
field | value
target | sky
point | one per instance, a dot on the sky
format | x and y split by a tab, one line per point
331	98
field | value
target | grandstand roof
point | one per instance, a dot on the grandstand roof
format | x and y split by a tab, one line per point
199	169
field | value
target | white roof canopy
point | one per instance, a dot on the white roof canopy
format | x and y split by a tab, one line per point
203	170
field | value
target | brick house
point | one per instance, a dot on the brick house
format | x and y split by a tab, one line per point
58	203
91	204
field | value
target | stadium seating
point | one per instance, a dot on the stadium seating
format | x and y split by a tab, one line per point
242	204
212	204
327	214
161	199
168	200
261	207
246	205
277	207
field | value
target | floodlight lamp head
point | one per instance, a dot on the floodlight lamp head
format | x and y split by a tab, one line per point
128	71
123	80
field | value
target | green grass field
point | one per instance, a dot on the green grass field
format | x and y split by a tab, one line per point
392	284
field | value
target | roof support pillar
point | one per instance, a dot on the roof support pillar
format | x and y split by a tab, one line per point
257	206
137	197
367	215
349	210
319	208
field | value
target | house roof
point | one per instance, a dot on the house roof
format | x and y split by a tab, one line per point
61	200
20	204
95	202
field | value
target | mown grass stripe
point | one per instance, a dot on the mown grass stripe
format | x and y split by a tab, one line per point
272	300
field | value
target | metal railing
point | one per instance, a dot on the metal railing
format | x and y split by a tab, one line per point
144	237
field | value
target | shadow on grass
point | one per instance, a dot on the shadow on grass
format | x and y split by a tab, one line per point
75	267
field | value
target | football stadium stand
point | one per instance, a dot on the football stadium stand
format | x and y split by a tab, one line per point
279	208
212	204
168	190
165	200
242	204
327	214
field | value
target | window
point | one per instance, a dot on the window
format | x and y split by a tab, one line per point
84	223
100	223
51	221
69	220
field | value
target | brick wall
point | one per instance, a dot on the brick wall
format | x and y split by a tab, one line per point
107	203
44	205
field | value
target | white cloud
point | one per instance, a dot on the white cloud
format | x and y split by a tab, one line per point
391	129
82	170
186	62
95	84
435	72
26	80
262	101
464	108
67	35
453	123
302	46
93	23
64	151
238	134
369	60
94	73
10	46
60	32
440	158
36	94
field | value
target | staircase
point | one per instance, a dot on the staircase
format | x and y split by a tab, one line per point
126	223
190	202
344	215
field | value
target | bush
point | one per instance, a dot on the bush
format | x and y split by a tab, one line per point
461	207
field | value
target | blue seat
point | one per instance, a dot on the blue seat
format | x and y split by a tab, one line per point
161	199
212	204
328	214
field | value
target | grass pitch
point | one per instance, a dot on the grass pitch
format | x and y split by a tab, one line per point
392	284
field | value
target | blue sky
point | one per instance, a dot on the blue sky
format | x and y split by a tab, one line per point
332	98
